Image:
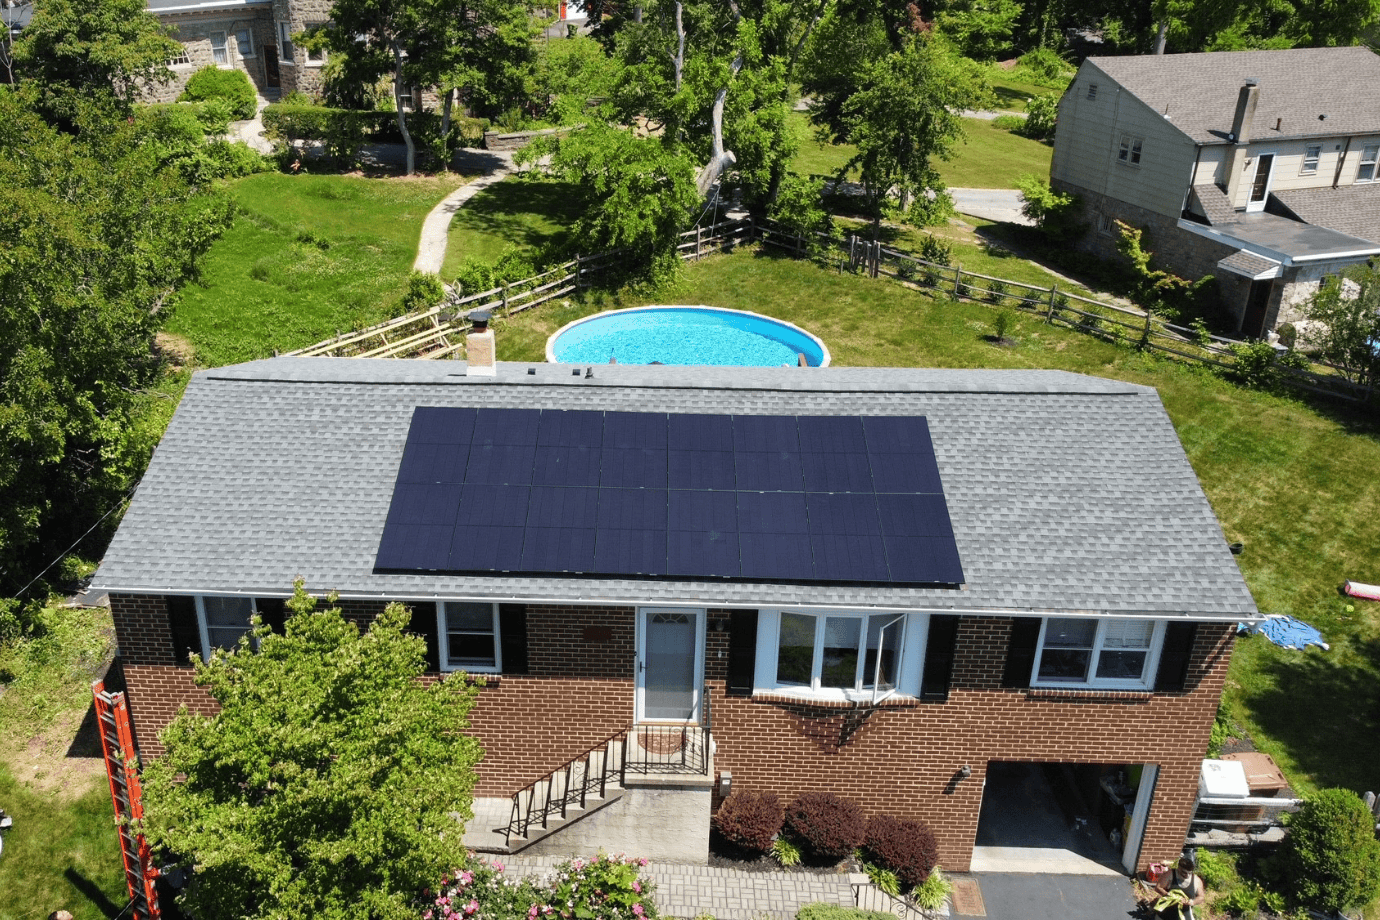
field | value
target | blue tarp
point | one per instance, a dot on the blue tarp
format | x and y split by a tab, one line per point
1287	632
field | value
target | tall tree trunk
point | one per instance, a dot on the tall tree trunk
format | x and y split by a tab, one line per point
720	159
1163	33
398	104
679	59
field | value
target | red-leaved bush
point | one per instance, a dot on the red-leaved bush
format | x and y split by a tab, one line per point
750	819
907	848
825	824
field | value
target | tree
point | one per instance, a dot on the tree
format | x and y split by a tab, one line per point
1330	858
904	114
1345	314
981	29
332	784
94	50
98	232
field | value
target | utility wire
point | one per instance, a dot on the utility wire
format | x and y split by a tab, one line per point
64	553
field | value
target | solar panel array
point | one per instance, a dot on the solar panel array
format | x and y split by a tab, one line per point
640	494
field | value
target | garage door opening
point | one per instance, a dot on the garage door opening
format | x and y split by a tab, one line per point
1063	819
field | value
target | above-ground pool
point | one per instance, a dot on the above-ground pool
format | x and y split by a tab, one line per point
684	335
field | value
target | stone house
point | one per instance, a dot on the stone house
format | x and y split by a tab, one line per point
903	586
254	36
1258	167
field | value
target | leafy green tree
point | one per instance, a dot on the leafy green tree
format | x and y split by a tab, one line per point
1330	860
1055	213
98	232
333	784
94	50
905	113
981	29
1346	314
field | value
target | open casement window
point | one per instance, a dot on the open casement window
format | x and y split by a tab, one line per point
1098	653
220	53
470	637
840	652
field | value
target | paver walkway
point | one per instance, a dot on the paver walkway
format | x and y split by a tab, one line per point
726	894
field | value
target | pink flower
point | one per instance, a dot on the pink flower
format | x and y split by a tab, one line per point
466	877
471	907
498	867
427	915
532	912
642	861
637	886
637	908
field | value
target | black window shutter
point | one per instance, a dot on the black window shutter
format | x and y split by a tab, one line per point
424	625
186	634
742	652
1174	656
1020	653
512	634
939	657
273	611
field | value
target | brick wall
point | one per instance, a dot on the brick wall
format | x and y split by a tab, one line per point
905	758
902	758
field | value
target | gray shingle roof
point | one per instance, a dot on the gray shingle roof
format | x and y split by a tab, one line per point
1247	263
1214	203
1296	86
1067	493
1352	209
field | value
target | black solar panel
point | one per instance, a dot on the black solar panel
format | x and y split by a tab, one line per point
640	494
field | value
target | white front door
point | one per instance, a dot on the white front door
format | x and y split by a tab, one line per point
1260	185
670	664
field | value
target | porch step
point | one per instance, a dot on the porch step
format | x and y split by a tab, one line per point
487	832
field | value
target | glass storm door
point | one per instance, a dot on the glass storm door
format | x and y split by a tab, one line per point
669	666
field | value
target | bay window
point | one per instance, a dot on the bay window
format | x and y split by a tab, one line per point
841	655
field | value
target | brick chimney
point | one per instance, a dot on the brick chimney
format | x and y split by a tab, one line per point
1241	125
480	352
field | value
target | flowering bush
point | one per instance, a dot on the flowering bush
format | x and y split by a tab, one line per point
605	887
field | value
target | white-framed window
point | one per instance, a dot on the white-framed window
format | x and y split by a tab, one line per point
1092	92
244	41
286	53
1311	155
469	637
1098	653
1130	150
838	655
222	621
316	56
180	59
220	52
1366	171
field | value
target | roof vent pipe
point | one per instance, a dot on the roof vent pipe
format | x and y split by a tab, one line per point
480	351
1245	111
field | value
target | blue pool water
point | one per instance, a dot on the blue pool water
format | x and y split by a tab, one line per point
684	335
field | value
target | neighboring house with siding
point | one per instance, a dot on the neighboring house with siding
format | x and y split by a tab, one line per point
883	583
254	36
1258	167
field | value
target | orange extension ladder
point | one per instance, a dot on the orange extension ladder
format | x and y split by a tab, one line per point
117	741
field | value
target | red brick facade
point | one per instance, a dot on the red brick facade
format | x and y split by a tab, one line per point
903	757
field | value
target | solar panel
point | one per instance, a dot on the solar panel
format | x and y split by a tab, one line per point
641	494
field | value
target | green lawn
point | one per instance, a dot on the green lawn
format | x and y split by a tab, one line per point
990	157
308	255
1293	481
531	214
1012	94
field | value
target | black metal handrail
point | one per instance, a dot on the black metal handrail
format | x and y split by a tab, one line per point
576	779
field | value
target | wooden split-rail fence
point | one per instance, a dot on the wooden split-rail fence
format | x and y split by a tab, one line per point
440	331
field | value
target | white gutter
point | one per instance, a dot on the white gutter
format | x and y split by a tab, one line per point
210	7
701	603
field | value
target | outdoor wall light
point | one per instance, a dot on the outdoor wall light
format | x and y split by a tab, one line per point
965	771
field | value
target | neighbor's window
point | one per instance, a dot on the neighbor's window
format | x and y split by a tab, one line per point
245	40
1367	171
1311	153
179	58
1097	652
222	621
1130	150
1092	91
840	652
469	637
316	55
219	53
285	50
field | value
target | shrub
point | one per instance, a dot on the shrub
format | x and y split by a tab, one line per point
750	820
930	894
1003	323
933	249
931	208
996	292
605	887
340	131
233	159
1055	213
785	852
1331	859
799	208
210	82
834	912
828	826
1218	870
214	115
1012	123
424	291
1288	335
884	879
907	848
1041	112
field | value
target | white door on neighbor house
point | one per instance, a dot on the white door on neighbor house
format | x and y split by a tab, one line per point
670	664
1260	184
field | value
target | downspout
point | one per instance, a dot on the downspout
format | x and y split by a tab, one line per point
1337	176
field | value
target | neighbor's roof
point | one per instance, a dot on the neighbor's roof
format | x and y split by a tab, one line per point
1297	85
1350	209
201	6
1067	493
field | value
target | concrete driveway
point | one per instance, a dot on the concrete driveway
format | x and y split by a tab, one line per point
998	204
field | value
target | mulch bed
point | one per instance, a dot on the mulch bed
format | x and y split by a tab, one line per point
725	855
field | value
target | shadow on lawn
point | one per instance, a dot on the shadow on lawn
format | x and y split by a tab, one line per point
1320	702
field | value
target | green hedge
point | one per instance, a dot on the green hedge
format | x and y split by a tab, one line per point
210	82
341	131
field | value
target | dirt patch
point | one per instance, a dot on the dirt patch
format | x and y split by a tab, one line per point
178	351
